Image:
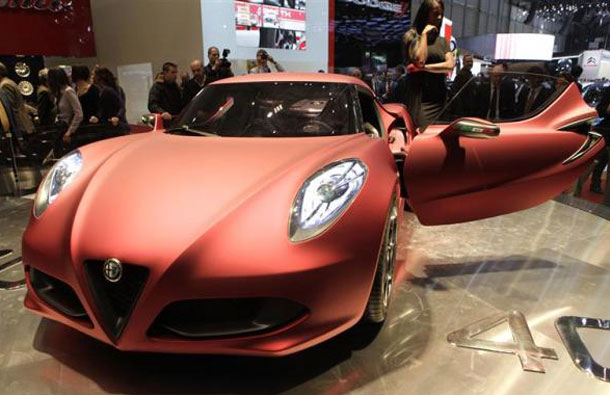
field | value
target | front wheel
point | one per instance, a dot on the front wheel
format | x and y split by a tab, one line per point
379	300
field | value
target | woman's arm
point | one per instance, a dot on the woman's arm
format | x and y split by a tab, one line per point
421	52
77	111
411	40
443	67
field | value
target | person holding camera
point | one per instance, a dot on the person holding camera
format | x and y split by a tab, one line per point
262	66
218	68
429	60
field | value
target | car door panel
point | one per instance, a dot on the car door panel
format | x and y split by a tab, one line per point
453	178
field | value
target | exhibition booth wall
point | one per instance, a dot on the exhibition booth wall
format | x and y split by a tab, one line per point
134	38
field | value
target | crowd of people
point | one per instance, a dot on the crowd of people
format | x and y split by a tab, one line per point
72	103
501	93
84	105
67	104
169	98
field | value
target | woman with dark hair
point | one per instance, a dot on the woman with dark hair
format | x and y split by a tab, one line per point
70	112
429	60
88	94
112	102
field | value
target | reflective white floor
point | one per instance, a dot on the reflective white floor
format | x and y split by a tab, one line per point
546	262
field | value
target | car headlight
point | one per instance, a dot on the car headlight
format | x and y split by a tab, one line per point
59	177
324	197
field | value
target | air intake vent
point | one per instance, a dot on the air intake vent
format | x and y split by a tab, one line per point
58	295
115	300
225	318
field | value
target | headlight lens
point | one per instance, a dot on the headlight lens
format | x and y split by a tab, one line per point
324	196
59	177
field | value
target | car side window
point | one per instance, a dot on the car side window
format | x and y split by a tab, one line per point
370	114
503	94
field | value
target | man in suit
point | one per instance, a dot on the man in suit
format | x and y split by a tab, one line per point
497	97
463	91
532	97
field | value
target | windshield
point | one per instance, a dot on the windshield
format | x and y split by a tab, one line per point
271	109
502	94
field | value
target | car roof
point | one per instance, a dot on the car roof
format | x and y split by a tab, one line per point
294	77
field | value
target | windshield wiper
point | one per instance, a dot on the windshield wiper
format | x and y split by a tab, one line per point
185	128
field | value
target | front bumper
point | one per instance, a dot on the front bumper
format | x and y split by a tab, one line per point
334	295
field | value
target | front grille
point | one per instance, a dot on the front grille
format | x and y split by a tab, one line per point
115	301
222	318
58	295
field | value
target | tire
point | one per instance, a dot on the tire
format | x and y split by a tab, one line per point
381	292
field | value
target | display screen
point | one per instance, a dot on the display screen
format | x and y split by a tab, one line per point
295	33
274	24
516	46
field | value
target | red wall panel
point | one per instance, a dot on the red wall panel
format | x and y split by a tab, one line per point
28	27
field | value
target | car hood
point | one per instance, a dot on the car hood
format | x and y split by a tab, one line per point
153	197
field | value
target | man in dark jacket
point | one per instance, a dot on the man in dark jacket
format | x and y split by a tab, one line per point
464	105
603	110
195	84
533	96
165	97
497	98
7	125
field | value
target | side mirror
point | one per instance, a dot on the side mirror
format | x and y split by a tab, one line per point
473	128
371	131
153	120
148	119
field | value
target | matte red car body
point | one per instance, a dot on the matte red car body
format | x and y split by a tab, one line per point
209	218
455	179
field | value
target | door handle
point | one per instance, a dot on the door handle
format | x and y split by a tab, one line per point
593	138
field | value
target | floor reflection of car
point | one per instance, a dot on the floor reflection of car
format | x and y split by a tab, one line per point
270	223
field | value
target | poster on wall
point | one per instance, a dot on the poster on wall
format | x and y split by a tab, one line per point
273	24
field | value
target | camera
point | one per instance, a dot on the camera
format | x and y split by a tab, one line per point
225	65
224	62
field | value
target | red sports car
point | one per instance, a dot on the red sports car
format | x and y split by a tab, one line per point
266	221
